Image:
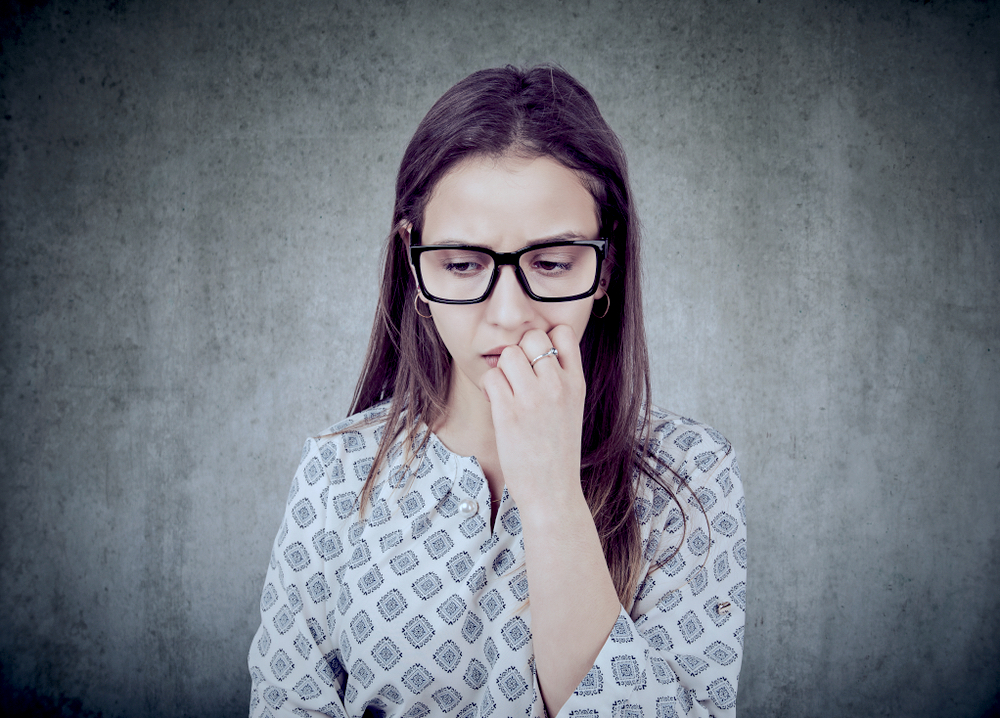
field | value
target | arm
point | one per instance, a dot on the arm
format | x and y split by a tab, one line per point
537	414
574	604
538	417
678	650
293	662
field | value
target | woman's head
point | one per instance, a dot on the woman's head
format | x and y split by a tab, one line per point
518	115
534	213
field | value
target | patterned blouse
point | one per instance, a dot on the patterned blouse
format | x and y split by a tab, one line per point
422	610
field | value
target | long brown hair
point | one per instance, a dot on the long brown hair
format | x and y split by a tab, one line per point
542	111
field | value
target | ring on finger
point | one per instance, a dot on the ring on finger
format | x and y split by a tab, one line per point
553	352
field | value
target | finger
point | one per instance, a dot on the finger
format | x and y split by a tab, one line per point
564	339
496	386
516	361
536	344
516	369
547	363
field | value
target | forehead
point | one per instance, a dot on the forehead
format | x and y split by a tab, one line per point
508	202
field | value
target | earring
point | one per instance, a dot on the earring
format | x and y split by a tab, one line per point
606	307
416	307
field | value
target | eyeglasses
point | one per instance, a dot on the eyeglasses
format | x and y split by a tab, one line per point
559	271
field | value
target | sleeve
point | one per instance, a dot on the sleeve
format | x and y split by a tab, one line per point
678	651
294	665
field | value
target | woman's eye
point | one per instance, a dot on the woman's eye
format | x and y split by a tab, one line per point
461	267
550	266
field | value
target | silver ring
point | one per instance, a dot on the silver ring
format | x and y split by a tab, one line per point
553	352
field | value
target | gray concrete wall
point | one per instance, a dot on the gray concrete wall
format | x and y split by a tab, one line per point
192	195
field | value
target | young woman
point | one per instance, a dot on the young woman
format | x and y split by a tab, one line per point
505	526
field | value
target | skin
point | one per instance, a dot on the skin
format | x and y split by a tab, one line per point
524	423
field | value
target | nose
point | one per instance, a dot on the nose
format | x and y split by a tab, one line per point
508	306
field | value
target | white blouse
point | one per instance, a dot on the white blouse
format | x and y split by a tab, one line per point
422	610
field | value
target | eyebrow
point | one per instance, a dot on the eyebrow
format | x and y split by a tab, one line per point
562	237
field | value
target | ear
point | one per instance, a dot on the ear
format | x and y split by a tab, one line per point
602	285
403	230
405	227
606	267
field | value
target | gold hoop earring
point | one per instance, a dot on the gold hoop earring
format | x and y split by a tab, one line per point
416	306
606	307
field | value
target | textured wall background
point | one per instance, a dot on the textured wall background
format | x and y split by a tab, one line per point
192	197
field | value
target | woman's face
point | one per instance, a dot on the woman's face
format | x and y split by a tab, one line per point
505	205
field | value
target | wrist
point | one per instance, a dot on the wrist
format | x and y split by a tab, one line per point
554	508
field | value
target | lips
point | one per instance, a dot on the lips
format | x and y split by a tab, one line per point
493	356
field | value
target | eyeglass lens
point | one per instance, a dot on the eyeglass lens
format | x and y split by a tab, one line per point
551	272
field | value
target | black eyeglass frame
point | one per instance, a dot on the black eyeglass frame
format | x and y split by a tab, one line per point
511	258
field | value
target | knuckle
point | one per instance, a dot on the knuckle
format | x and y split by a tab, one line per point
563	332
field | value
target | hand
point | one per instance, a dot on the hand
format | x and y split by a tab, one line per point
538	416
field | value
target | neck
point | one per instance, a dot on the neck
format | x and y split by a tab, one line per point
467	429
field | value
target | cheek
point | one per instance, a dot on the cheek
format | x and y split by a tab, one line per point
452	326
576	316
582	326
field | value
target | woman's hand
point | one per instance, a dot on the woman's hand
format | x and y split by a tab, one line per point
538	416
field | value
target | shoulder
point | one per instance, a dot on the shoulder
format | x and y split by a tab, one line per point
370	421
694	501
690	453
346	449
691	466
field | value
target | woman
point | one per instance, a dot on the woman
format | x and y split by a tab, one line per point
505	526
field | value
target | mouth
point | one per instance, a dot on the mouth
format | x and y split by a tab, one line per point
493	356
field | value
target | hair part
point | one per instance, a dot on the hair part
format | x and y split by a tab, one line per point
537	112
